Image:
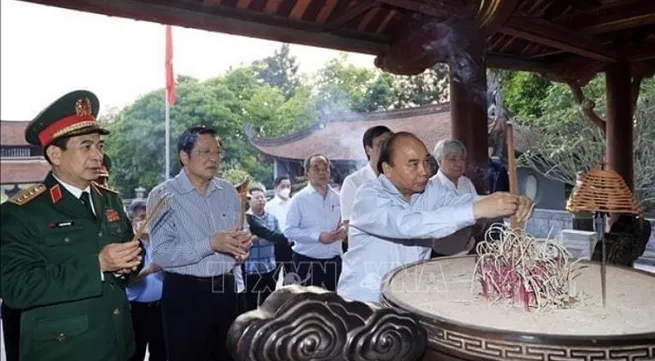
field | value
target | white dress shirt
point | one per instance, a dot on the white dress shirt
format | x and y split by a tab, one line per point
463	186
279	208
387	232
309	215
77	192
350	186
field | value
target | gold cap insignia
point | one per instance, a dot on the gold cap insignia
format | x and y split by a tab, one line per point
83	107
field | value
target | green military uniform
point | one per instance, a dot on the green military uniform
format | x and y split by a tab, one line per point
49	259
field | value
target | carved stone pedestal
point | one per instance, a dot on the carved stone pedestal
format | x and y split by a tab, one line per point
309	323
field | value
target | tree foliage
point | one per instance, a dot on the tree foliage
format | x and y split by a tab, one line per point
267	98
279	71
567	142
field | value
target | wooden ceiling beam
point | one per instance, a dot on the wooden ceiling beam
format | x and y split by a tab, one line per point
368	18
438	9
272	6
299	9
243	4
499	61
385	22
643	53
350	14
613	17
230	21
326	11
555	36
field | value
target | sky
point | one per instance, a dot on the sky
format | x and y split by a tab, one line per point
46	52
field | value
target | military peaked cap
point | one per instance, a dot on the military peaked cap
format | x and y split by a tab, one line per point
73	114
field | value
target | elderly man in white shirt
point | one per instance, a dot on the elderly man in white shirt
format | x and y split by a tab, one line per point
451	158
450	155
395	216
314	226
373	139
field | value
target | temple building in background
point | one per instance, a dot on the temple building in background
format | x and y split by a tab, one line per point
340	139
21	164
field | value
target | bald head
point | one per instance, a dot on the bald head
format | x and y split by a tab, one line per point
401	139
405	161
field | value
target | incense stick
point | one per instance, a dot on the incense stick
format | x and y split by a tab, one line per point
511	168
151	215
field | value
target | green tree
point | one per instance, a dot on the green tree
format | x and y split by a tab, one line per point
567	141
137	141
524	93
429	87
279	70
343	88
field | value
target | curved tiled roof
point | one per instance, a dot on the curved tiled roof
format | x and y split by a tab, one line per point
13	133
23	170
341	139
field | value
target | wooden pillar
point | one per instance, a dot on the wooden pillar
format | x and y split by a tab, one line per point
468	111
619	127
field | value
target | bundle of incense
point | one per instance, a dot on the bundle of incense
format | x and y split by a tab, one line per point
163	201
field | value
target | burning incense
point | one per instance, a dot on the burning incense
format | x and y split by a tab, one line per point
513	266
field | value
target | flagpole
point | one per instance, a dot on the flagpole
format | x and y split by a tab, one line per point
168	138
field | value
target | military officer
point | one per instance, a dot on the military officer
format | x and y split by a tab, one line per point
66	242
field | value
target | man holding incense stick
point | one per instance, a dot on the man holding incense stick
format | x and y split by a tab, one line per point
197	241
395	216
66	245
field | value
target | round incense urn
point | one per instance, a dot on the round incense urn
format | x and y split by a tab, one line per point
462	325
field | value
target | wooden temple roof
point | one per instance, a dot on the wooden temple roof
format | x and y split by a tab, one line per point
340	138
568	40
12	133
19	170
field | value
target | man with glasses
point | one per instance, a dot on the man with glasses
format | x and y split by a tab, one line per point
197	241
314	225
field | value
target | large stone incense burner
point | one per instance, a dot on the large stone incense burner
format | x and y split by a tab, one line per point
462	325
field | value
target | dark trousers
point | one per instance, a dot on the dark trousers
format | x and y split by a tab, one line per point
197	313
258	287
148	331
283	258
318	272
11	331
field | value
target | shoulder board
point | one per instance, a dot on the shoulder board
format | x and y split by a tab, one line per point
28	194
109	189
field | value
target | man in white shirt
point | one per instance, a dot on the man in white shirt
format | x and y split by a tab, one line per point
313	224
279	207
451	158
395	216
450	155
373	139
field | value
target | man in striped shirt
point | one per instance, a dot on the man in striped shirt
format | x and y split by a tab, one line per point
197	241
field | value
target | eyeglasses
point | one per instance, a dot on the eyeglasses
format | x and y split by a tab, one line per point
320	169
204	153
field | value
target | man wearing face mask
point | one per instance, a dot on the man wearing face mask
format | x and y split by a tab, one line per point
278	207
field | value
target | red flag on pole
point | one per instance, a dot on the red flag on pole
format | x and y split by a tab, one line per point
170	76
